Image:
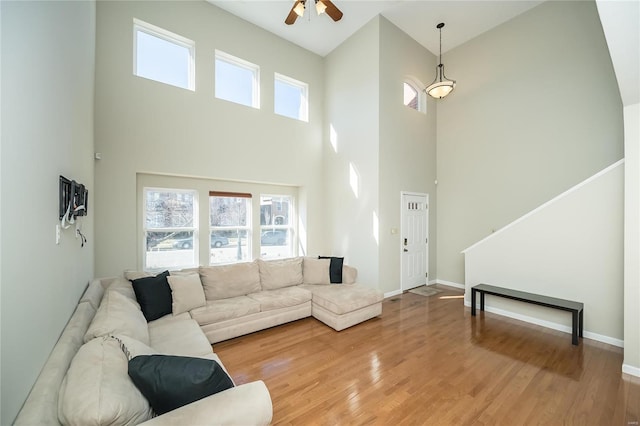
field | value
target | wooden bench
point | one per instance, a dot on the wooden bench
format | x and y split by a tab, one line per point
576	308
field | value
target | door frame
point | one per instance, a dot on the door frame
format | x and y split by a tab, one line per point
402	224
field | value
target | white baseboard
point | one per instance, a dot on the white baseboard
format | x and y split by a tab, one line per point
392	293
449	283
628	369
552	325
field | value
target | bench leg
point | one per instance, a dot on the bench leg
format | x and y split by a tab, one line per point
574	323
473	302
482	301
581	316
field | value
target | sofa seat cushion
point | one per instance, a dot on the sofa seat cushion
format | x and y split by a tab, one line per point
342	299
281	298
225	309
97	389
226	281
183	338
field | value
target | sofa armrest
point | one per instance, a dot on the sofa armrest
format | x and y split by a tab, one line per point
248	404
349	274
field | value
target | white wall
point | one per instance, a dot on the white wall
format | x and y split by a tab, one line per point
536	111
407	160
145	126
631	363
47	131
571	248
352	104
621	25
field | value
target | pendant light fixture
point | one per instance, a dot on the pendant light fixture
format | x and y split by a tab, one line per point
441	86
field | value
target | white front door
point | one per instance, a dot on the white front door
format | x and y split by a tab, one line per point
414	240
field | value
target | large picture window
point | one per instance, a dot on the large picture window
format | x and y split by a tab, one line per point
171	228
276	227
230	227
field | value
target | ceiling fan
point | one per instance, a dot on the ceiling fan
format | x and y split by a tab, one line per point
322	6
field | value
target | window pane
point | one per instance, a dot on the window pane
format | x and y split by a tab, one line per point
229	246
290	100
169	249
276	231
229	211
236	80
162	60
169	209
275	243
410	96
274	210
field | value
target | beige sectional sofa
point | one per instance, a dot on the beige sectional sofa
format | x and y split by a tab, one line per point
85	379
264	294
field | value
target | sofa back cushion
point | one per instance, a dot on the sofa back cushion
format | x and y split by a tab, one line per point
316	271
97	389
225	281
118	314
276	274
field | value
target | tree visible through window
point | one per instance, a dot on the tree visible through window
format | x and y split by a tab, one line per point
230	223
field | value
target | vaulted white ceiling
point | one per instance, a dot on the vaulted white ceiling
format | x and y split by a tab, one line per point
464	19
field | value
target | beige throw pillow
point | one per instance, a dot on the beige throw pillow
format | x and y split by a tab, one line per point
187	292
276	274
316	271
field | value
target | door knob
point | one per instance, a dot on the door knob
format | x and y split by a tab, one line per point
405	250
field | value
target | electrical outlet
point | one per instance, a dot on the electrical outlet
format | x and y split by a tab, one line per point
57	234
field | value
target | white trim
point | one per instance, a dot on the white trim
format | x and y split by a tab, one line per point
169	37
548	324
392	293
418	86
241	63
304	102
553	200
629	369
449	283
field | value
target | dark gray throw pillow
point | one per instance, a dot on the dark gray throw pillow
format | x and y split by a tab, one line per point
154	295
335	268
169	382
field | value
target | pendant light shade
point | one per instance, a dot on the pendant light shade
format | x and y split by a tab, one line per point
441	86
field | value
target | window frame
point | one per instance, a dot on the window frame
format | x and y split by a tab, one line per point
291	227
421	103
168	36
240	63
304	102
248	227
194	228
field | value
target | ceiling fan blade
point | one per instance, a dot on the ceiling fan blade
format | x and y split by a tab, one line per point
331	10
291	18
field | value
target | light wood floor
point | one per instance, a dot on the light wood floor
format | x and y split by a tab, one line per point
427	361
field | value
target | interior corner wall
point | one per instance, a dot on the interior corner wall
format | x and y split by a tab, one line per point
407	159
47	130
352	123
536	110
143	126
